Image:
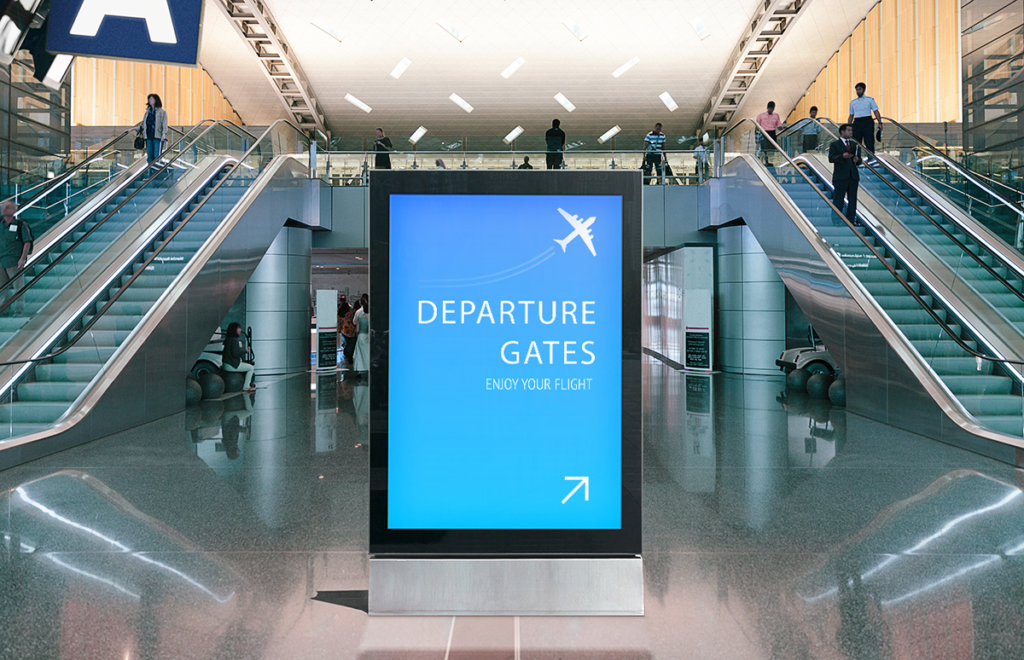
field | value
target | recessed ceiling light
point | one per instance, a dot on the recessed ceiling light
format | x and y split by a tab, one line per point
564	102
331	32
609	134
356	102
669	102
625	67
451	29
417	134
577	30
400	68
512	68
513	134
698	26
461	102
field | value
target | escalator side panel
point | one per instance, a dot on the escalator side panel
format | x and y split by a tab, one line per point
881	384
144	380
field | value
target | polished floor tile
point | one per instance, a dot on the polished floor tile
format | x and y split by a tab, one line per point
774	527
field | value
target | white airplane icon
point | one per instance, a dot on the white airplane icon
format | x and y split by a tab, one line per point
579	228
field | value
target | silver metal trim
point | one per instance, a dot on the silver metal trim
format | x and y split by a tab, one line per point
504	586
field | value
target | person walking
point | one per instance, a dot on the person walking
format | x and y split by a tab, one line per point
811	130
702	161
861	110
350	333
844	154
15	246
555	139
362	357
770	122
382	145
234	351
654	149
153	127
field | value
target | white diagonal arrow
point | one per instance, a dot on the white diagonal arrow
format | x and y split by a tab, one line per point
584	482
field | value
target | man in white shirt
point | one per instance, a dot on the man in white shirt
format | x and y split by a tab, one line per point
811	130
861	109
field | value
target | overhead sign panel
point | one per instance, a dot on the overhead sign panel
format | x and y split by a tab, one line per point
157	30
507	313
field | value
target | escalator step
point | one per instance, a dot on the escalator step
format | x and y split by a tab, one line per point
978	384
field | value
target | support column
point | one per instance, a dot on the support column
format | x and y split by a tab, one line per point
278	305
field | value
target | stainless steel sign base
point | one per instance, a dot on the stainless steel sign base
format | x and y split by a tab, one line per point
505	586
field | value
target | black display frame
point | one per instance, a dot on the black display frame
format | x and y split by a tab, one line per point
626	541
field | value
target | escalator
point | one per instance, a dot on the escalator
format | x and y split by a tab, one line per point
126	304
912	331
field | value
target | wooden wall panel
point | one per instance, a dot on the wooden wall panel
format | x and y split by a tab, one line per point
873	48
927	107
908	53
832	87
113	93
906	26
103	100
856	42
948	65
886	92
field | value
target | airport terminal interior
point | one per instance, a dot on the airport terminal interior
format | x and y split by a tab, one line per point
697	329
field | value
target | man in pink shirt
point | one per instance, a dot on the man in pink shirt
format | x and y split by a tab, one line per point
770	122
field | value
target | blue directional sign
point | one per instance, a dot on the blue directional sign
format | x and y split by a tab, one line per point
157	30
505	371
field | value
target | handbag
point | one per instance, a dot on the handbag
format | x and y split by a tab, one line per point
140	142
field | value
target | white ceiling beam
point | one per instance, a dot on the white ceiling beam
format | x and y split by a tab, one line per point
256	25
766	29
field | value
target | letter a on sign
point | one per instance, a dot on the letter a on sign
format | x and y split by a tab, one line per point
156	13
154	30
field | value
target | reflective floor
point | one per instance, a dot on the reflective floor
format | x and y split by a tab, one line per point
773	528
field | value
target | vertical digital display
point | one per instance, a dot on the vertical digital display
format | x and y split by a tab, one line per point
505	362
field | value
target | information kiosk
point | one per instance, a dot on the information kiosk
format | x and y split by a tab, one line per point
505	430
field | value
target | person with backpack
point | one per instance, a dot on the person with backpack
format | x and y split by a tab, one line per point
15	246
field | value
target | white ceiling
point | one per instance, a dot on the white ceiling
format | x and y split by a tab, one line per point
375	35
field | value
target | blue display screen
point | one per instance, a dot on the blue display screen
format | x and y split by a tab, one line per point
505	372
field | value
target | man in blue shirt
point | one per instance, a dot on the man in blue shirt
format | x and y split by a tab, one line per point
861	109
654	147
811	130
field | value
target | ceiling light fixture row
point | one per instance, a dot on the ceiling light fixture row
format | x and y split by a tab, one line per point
513	134
400	68
417	135
512	68
461	102
625	67
564	102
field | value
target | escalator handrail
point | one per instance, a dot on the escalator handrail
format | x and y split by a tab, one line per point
874	251
63	176
70	250
965	172
96	155
155	253
938	225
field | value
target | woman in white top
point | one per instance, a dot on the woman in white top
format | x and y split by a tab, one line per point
362	322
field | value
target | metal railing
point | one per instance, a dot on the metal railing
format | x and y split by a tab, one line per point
677	167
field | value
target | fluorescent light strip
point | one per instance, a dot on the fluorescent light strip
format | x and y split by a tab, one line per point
512	68
450	28
564	102
400	68
329	31
461	102
417	134
576	29
356	102
698	26
609	134
669	102
625	67
513	134
58	70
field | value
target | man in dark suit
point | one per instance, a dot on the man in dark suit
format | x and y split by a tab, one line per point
845	157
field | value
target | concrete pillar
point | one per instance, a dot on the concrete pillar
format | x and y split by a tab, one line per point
278	306
751	305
